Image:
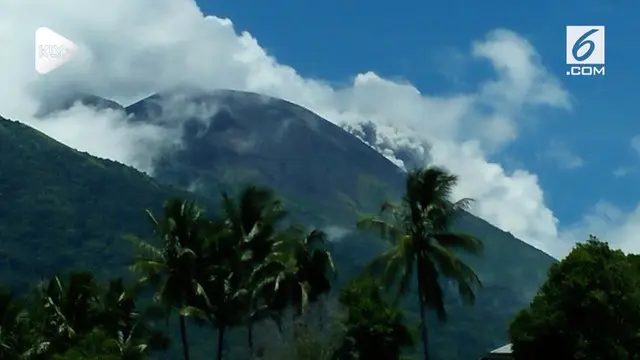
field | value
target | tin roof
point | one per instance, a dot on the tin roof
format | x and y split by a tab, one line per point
506	349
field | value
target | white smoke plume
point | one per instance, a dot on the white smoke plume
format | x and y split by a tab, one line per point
127	53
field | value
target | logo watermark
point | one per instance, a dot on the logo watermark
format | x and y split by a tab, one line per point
52	50
585	50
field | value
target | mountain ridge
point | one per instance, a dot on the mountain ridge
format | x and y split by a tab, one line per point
324	185
100	103
225	94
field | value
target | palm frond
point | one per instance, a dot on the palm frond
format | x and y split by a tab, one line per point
453	268
193	312
378	265
152	219
144	247
200	292
230	211
304	296
460	241
39	349
147	266
186	253
393	271
385	230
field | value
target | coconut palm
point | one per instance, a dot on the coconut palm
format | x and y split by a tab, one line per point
237	243
297	271
171	267
314	262
63	310
131	329
423	244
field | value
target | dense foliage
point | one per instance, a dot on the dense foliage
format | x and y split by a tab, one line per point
374	327
75	317
61	209
589	308
238	269
419	230
329	179
244	279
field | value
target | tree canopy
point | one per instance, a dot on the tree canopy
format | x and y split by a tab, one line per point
423	244
244	267
589	308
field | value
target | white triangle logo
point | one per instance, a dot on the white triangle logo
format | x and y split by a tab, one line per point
52	50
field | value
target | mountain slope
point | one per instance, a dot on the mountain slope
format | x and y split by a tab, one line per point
331	177
232	136
60	208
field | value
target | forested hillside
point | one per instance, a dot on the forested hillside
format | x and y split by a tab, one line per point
62	209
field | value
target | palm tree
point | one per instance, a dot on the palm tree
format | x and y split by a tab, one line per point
237	243
63	311
130	328
419	230
171	267
314	262
297	272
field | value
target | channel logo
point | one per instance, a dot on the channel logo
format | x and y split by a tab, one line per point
585	50
52	50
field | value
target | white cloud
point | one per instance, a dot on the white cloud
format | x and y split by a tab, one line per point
608	222
563	156
626	170
103	133
336	233
635	143
623	171
136	47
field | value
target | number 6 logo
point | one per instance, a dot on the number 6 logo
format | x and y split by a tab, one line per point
585	45
580	43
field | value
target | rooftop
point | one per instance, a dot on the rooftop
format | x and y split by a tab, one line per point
506	349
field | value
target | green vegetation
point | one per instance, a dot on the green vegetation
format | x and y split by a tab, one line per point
239	269
375	328
61	209
589	308
75	317
245	280
329	179
419	231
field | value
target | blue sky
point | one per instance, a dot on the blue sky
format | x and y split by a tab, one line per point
479	87
418	41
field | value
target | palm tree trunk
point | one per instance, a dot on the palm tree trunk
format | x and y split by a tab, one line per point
295	323
221	341
250	337
423	326
183	335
